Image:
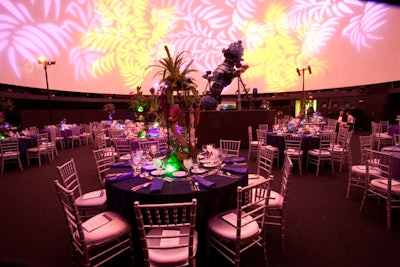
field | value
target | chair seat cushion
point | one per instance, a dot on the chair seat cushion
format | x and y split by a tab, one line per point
382	183
102	227
227	231
255	179
254	143
315	152
37	149
92	199
273	148
338	149
276	200
293	152
384	136
169	256
10	154
362	170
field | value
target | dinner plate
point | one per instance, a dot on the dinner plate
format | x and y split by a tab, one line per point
179	174
199	171
149	167
205	161
158	172
210	165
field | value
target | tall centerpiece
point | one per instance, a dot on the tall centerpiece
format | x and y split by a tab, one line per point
109	109
180	106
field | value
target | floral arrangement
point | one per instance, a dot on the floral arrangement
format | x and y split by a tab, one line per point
179	103
266	105
109	109
5	105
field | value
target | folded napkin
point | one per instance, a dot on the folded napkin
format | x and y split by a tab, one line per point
119	177
234	159
235	169
203	182
157	185
121	164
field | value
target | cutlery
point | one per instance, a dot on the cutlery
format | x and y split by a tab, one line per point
196	186
138	187
115	174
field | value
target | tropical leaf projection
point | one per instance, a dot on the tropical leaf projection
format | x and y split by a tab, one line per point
102	38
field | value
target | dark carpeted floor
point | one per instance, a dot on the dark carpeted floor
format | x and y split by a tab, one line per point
323	227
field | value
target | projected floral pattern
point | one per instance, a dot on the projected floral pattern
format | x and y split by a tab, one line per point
126	36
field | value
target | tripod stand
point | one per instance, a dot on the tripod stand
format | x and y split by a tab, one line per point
246	91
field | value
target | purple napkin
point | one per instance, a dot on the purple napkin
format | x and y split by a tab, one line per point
157	185
235	169
119	177
203	182
234	159
121	164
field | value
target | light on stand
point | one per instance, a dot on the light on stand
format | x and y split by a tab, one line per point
43	61
300	72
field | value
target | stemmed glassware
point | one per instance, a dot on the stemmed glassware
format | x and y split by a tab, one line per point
158	165
136	158
188	163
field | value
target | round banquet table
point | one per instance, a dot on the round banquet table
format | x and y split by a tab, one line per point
393	129
395	151
278	140
210	201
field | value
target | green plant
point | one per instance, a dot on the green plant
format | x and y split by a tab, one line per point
179	99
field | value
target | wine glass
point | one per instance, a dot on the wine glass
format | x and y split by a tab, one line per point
210	148
157	163
153	150
188	163
135	160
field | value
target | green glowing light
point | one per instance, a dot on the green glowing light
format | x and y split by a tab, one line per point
139	109
142	134
171	167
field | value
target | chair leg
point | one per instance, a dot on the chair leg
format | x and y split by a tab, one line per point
363	200
388	215
20	165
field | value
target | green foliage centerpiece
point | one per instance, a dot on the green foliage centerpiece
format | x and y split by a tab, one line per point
180	106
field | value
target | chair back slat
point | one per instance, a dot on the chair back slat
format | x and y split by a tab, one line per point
68	177
230	147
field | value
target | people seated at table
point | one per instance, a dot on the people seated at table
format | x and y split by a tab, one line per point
342	119
350	120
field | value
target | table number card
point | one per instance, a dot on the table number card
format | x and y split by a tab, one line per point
169	241
94	194
96	222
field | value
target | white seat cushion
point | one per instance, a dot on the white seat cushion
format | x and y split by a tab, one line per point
10	154
362	170
276	200
36	149
315	152
92	199
255	179
172	256
382	183
227	231
273	148
293	152
112	224
384	136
